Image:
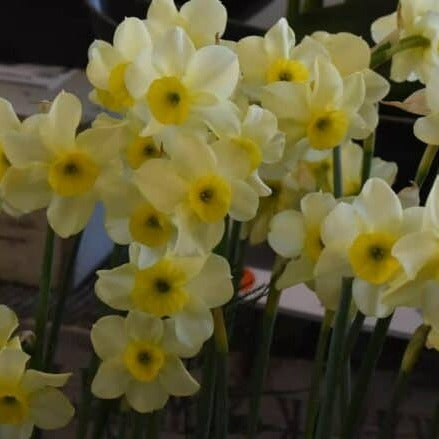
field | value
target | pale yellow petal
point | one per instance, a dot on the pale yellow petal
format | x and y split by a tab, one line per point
316	206
131	37
427	129
146	397
8	119
12	365
253	59
141	326
245	201
111	380
8	324
108	336
279	40
176	379
368	299
296	272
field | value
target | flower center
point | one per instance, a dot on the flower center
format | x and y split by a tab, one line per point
13	406
149	226
168	100
371	259
140	150
159	290
210	197
4	163
116	97
252	149
74	172
289	70
144	360
327	129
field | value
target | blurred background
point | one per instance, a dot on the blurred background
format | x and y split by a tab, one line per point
43	49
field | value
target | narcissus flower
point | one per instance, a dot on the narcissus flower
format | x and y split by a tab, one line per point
108	63
358	240
140	359
322	114
30	398
296	235
178	86
54	168
199	190
163	16
184	288
275	57
414	18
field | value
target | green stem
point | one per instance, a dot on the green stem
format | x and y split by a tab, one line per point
384	53
121	432
153	424
337	172
365	373
263	354
293	11
368	153
433	429
42	312
233	247
207	392
63	290
353	334
138	426
316	376
409	360
222	352
102	418
324	425
425	164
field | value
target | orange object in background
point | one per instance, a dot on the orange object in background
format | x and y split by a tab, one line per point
248	279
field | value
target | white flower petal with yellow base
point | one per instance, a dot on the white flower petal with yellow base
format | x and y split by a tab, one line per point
146	397
296	272
111	380
108	336
8	118
176	379
368	299
244	201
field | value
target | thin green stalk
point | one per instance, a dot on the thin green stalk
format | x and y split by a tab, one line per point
42	311
234	243
121	431
293	11
153	424
324	425
207	393
139	423
368	153
63	290
409	360
316	376
222	352
263	354
354	332
337	172
101	419
384	53
365	373
433	429
425	164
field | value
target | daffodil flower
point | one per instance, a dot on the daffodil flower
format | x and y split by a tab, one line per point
130	218
163	16
177	86
358	240
414	18
108	63
427	128
140	359
182	288
30	398
52	167
275	57
321	114
199	190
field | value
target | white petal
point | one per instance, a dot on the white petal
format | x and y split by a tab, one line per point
172	53
385	170
427	129
328	86
159	182
172	345
415	250
296	272
12	365
22	431
141	326
8	324
139	74
27	189
34	380
194	325
223	118
328	289
69	215
103	57
176	380
383	27
146	397
233	160
332	262
214	70
59	129
111	380
114	286
430	303
213	285
8	119
253	59
214	18
379	206
131	36
50	409
286	235
377	87
316	206
412	220
432	93
279	40
368	299
354	92
245	201
108	336
23	149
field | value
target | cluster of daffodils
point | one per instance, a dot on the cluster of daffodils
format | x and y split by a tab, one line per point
28	398
198	134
